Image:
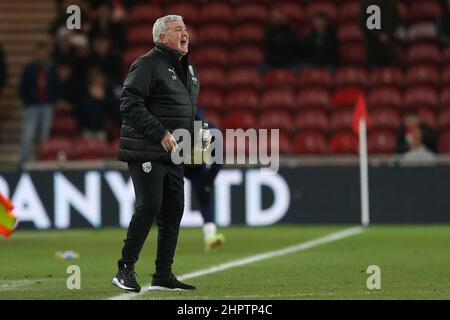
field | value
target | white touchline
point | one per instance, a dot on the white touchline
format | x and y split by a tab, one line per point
255	258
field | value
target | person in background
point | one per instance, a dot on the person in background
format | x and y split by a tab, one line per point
280	43
380	43
202	179
105	25
38	90
96	106
443	25
106	60
415	140
69	91
63	50
320	46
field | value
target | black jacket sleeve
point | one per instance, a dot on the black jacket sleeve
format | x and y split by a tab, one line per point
136	91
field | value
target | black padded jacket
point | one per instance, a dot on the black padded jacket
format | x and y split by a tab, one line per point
159	95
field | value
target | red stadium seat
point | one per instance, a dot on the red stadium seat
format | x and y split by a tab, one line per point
424	11
274	119
112	150
188	10
245	12
428	117
327	7
219	11
444	119
89	149
444	142
446	56
310	120
210	99
310	143
242	98
353	54
132	54
292	9
349	11
343	143
145	13
214	33
384	119
246	33
351	78
445	98
423	75
213	118
349	32
424	53
283	143
403	11
401	54
239	119
387	77
384	97
63	126
278	99
345	98
279	78
212	77
140	35
446	76
247	55
420	97
321	78
313	98
382	142
341	120
244	77
211	55
55	149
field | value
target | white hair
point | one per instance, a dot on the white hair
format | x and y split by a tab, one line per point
160	26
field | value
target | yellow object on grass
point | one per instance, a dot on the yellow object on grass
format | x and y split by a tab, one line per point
7	217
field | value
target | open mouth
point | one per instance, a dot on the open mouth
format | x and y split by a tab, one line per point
184	42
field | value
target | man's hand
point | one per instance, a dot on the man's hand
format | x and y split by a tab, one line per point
168	142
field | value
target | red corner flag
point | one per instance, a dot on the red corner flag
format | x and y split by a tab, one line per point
360	112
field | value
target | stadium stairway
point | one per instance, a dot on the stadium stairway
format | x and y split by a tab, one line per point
22	24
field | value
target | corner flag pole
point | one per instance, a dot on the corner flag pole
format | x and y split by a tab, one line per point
364	172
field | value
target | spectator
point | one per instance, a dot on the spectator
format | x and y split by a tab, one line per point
380	43
320	46
3	71
81	45
63	49
96	106
38	89
106	60
280	42
415	140
68	89
443	25
105	25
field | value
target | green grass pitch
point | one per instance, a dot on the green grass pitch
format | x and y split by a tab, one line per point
414	262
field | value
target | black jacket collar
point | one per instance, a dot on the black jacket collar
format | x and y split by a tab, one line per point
172	54
180	65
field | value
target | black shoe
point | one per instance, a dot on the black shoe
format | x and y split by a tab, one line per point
126	279
169	283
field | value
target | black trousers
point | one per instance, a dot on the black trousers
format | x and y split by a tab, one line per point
159	194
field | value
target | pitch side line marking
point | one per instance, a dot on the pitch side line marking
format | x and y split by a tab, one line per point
255	258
